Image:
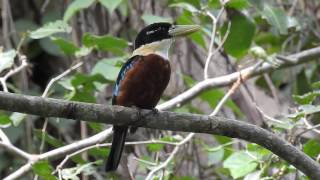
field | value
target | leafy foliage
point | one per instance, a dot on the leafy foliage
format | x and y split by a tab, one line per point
6	59
100	33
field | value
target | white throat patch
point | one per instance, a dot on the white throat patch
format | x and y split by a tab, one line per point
160	48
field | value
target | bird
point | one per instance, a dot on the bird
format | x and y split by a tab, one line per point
143	77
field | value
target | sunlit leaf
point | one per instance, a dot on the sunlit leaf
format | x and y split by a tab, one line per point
240	164
253	176
105	43
306	98
76	6
7	59
50	29
17	118
155	147
83	51
108	68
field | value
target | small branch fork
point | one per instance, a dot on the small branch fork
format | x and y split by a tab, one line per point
24	64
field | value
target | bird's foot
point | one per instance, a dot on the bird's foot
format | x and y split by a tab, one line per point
155	111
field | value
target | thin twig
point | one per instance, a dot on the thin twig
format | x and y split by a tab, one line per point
310	126
167	161
14	71
45	94
55	79
211	53
11	148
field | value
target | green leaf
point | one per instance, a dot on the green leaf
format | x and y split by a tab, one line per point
50	47
258	151
241	33
50	29
309	109
312	147
238	4
149	19
186	18
212	97
215	157
7	59
302	85
66	83
108	68
253	176
155	147
316	85
259	4
84	87
214	4
111	5
67	47
97	127
48	138
186	6
76	6
4	121
86	169
43	169
83	51
99	152
17	118
240	164
105	43
277	18
306	98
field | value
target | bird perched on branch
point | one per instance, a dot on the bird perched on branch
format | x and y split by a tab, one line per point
143	78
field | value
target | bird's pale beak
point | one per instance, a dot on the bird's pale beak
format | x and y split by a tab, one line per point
183	30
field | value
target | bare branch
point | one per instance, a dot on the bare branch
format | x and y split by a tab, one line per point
62	151
14	150
119	115
301	57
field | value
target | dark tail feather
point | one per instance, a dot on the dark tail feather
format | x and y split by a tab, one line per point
118	140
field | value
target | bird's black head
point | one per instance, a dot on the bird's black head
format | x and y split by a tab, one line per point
160	31
153	32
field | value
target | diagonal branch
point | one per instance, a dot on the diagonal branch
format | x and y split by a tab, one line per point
292	60
163	120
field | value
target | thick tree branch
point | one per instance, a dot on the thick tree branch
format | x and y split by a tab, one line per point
48	107
292	60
